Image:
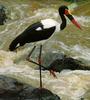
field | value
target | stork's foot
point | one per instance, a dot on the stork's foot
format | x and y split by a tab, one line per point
52	72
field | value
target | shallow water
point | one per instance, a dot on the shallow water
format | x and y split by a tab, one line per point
70	85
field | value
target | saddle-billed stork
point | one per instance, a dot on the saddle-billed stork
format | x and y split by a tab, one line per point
42	30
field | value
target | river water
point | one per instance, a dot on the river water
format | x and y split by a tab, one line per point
70	85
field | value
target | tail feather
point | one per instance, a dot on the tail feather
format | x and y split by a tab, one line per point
14	44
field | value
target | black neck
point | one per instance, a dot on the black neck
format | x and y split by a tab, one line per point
63	25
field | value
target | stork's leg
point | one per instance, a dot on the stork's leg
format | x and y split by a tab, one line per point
39	61
28	57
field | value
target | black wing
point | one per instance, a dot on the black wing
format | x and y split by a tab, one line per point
32	35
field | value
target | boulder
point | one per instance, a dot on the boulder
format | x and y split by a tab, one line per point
3	15
39	94
11	89
59	62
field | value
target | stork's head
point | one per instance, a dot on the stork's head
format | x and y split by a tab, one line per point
63	10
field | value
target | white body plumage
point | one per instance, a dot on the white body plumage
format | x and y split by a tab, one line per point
48	23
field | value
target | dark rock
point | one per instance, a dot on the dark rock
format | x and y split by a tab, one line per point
49	57
65	62
3	16
40	94
11	89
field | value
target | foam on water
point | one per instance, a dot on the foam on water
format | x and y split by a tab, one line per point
63	85
80	51
83	52
84	20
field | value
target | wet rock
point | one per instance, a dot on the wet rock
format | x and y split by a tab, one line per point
39	94
66	62
3	16
11	89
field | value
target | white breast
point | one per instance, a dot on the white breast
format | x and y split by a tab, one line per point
48	23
